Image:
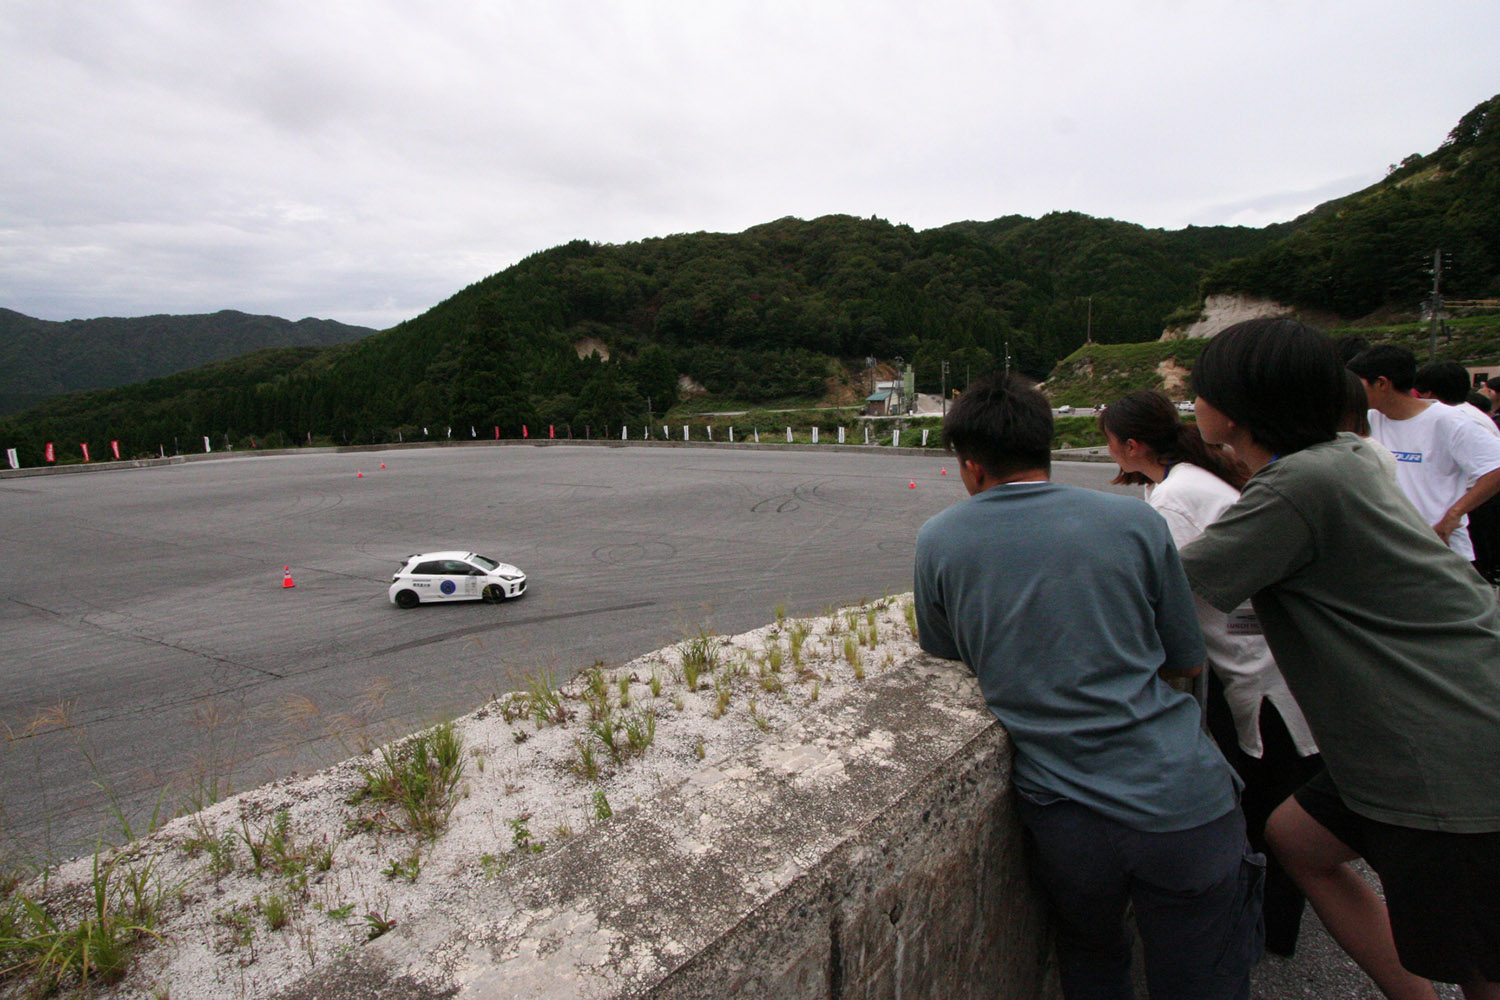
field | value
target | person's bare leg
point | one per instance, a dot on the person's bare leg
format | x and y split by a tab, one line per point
1351	910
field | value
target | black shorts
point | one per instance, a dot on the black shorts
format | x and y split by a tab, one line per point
1442	889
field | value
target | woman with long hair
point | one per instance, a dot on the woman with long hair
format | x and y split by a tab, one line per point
1251	713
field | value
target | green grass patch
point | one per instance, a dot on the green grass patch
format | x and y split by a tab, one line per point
420	775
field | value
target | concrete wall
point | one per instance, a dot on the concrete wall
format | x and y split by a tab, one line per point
869	851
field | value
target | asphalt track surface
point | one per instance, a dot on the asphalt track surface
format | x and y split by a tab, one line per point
151	654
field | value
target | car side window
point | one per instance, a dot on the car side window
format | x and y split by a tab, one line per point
429	569
456	567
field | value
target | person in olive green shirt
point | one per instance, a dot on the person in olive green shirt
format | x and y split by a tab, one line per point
1390	643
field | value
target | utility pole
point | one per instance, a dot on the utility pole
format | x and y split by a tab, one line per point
1007	359
1088	336
945	389
1437	302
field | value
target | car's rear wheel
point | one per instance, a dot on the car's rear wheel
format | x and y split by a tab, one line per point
407	599
494	593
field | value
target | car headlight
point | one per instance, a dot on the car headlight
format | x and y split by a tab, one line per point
512	577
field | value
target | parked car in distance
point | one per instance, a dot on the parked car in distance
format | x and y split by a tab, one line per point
454	576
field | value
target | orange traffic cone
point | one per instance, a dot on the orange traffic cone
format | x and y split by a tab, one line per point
359	475
945	472
286	579
913	484
382	465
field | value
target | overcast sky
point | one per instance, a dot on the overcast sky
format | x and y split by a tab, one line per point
362	161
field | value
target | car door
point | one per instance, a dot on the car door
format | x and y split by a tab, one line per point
459	581
426	580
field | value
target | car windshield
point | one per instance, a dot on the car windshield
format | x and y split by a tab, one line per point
488	564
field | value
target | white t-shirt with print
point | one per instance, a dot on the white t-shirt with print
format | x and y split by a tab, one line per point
1439	453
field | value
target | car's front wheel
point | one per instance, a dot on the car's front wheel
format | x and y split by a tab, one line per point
494	593
407	599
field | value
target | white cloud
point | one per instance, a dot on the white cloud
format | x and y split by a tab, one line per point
364	161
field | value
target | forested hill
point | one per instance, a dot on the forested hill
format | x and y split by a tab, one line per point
1374	248
590	335
789	309
39	358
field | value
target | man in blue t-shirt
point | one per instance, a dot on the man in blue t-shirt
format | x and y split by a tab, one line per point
1071	608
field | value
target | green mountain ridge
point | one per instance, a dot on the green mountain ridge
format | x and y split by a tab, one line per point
795	310
41	358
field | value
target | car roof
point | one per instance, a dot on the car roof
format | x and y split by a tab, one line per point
449	554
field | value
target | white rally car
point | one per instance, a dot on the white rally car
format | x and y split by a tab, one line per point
454	576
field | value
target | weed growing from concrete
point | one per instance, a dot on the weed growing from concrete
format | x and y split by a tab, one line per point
605	730
406	869
909	609
780	611
773	656
700	655
640	732
277	910
376	924
46	949
520	835
796	638
547	706
422	776
602	811
624	691
655	684
723	691
761	722
584	762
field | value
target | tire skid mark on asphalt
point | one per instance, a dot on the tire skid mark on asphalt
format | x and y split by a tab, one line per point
535	619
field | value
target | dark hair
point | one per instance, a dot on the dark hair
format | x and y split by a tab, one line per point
1150	418
1492	384
1386	361
1348	347
1279	379
1480	401
1002	422
1446	380
1356	418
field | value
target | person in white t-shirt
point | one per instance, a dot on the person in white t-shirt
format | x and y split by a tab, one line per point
1448	382
1445	464
1251	712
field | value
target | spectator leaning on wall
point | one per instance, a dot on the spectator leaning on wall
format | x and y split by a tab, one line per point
1069	605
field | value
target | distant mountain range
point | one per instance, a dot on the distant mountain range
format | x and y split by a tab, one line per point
40	359
596	335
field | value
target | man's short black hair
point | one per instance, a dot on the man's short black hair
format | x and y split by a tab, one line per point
1279	379
1386	361
1002	422
1448	381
